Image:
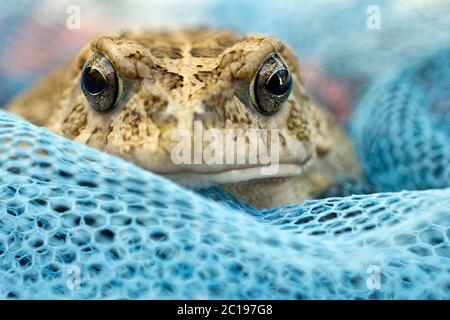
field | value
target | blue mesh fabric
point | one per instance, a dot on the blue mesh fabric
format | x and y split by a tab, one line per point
78	223
401	127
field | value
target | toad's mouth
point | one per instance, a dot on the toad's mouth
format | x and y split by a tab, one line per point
197	180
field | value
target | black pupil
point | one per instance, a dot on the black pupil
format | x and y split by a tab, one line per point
279	83
93	80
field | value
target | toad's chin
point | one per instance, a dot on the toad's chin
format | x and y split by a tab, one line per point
198	180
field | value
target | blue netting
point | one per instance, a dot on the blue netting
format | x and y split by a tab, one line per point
401	127
77	223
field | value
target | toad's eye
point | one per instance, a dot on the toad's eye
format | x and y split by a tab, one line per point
271	85
99	83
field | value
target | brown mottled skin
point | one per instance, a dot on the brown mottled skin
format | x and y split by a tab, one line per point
174	78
